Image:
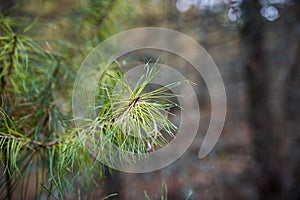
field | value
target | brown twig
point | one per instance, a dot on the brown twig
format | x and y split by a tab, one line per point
134	101
33	142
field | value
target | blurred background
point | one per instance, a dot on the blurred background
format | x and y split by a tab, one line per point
256	46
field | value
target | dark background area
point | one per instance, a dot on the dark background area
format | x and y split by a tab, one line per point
256	46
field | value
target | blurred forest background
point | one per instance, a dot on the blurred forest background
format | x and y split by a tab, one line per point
256	46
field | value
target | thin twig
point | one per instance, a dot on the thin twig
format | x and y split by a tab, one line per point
134	101
32	142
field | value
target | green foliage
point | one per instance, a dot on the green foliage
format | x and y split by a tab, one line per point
27	67
38	138
134	118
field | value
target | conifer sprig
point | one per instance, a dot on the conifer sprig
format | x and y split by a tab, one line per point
138	119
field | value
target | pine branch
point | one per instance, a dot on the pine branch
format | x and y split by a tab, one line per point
3	82
37	143
11	62
28	74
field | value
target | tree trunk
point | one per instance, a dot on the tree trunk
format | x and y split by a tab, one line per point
266	141
292	113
